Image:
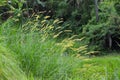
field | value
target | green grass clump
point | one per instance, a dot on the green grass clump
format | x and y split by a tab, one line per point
9	68
39	55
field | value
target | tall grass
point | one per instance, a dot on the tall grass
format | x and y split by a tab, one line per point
39	55
9	68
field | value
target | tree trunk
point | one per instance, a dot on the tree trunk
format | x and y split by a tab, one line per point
96	10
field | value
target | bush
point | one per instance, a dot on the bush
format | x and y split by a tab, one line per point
103	34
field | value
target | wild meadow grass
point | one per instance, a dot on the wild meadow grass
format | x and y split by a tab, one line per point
9	69
36	56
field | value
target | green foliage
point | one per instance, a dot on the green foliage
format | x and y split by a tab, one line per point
74	12
117	7
3	2
108	24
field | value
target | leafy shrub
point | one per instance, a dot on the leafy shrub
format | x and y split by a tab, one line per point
102	34
117	7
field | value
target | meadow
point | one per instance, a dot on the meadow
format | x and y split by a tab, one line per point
59	40
30	55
